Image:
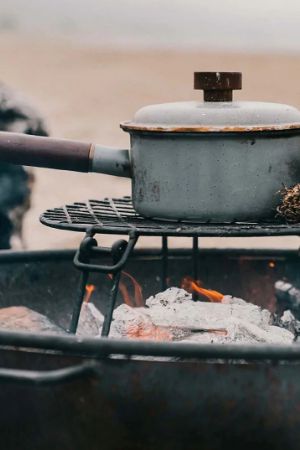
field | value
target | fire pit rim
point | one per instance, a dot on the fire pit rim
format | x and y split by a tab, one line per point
105	347
7	256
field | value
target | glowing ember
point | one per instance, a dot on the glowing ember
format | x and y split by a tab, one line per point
152	332
140	326
191	286
89	289
148	332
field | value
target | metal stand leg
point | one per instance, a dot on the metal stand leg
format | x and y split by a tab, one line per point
165	250
195	262
78	304
111	305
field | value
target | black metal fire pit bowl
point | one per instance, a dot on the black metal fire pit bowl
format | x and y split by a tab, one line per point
71	393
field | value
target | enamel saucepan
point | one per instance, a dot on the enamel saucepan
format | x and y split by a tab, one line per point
215	160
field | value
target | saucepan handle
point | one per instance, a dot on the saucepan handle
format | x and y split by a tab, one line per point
47	377
63	154
40	151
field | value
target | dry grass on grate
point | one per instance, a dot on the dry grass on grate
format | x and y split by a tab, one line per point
290	205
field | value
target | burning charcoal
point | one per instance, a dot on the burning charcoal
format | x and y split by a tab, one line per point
173	315
128	320
175	307
24	319
90	320
229	300
135	323
247	332
169	297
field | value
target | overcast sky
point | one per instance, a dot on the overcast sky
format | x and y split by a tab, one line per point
252	25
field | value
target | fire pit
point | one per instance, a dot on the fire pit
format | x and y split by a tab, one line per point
87	392
117	216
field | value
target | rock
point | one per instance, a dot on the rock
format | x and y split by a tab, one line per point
20	318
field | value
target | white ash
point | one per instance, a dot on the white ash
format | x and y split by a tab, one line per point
179	309
174	309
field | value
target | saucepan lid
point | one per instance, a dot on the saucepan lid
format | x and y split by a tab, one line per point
216	113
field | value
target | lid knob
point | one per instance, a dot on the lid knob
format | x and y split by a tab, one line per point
217	86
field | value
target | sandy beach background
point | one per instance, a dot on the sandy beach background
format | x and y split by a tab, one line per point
86	91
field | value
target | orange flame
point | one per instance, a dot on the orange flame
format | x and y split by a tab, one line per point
191	286
125	294
89	289
137	299
138	293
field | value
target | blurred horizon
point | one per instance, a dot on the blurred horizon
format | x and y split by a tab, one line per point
257	26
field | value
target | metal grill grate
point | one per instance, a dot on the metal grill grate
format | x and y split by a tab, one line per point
117	216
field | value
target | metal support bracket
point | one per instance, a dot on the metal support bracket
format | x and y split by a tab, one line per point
88	250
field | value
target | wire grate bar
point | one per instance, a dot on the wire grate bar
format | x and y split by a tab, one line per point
117	216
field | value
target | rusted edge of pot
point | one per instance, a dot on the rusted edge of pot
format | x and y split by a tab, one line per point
130	126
